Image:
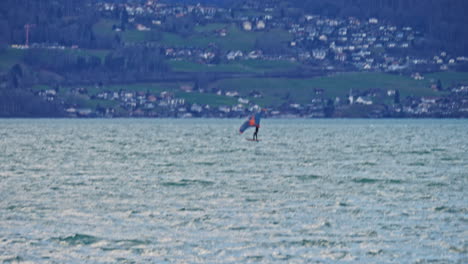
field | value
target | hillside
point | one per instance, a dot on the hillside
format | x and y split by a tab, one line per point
301	58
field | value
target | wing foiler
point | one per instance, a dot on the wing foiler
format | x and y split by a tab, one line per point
253	121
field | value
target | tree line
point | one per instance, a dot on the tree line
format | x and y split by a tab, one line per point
16	100
65	22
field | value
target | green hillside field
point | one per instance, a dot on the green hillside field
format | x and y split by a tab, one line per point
242	66
10	57
276	90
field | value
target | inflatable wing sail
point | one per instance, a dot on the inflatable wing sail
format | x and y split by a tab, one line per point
253	121
244	126
257	117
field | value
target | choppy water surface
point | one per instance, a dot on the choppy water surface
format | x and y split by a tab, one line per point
194	191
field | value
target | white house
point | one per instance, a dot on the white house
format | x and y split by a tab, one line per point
319	54
373	20
260	25
224	109
247	25
243	100
232	94
362	100
141	27
196	108
232	55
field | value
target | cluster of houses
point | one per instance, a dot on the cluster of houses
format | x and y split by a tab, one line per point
125	103
372	103
157	9
370	44
436	107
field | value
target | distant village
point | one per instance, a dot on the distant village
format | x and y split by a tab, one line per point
338	44
370	45
165	104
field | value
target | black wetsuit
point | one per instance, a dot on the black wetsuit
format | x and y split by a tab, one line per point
255	134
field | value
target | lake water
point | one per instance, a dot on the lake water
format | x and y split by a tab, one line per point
194	191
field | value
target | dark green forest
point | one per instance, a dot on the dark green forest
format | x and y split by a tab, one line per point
65	22
53	21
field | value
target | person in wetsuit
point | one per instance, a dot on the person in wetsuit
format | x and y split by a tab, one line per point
253	121
256	133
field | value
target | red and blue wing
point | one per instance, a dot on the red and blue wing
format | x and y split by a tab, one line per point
244	127
253	121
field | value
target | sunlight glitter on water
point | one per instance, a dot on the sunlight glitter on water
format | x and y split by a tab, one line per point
145	191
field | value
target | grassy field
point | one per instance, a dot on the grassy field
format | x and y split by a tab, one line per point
40	87
244	66
205	98
245	41
278	90
104	27
135	36
88	52
274	90
10	57
447	78
201	37
236	38
209	28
